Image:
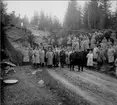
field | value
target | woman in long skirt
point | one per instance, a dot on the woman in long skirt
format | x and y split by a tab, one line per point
49	56
110	54
36	57
90	59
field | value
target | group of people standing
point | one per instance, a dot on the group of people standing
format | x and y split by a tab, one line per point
50	57
98	53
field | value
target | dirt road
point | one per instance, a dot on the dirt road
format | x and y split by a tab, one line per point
62	87
27	90
96	88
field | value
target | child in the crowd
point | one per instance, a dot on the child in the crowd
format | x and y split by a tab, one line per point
90	59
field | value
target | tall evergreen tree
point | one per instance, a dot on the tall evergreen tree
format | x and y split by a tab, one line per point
104	8
18	20
56	25
79	17
25	21
42	20
4	18
93	14
35	19
71	21
13	19
85	15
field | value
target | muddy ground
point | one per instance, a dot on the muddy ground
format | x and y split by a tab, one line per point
61	87
28	92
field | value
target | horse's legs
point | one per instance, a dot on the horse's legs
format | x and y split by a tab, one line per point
78	67
73	67
82	67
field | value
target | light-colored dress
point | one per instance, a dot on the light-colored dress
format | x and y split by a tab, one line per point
69	57
93	41
77	46
85	44
95	55
49	56
90	59
110	54
36	56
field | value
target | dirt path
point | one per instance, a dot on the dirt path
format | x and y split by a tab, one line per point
27	90
94	87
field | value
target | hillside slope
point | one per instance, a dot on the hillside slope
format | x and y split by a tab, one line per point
17	37
14	40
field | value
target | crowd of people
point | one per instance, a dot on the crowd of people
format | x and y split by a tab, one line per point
95	53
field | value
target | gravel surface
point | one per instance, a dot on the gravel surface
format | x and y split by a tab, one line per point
61	87
103	90
27	91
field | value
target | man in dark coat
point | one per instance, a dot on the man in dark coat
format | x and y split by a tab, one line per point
72	61
77	59
82	59
62	58
56	59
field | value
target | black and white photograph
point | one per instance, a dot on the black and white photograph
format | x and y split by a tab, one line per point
58	52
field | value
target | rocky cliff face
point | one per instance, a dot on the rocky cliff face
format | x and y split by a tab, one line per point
14	40
17	37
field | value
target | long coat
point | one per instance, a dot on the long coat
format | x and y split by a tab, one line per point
36	56
62	57
85	44
56	58
95	54
90	59
110	54
49	56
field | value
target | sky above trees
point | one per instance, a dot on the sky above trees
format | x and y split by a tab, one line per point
53	8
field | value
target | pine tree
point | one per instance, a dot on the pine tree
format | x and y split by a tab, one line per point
79	17
56	25
93	14
35	19
42	20
104	13
4	18
25	21
85	15
71	21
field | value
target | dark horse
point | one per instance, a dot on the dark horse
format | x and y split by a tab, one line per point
77	59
